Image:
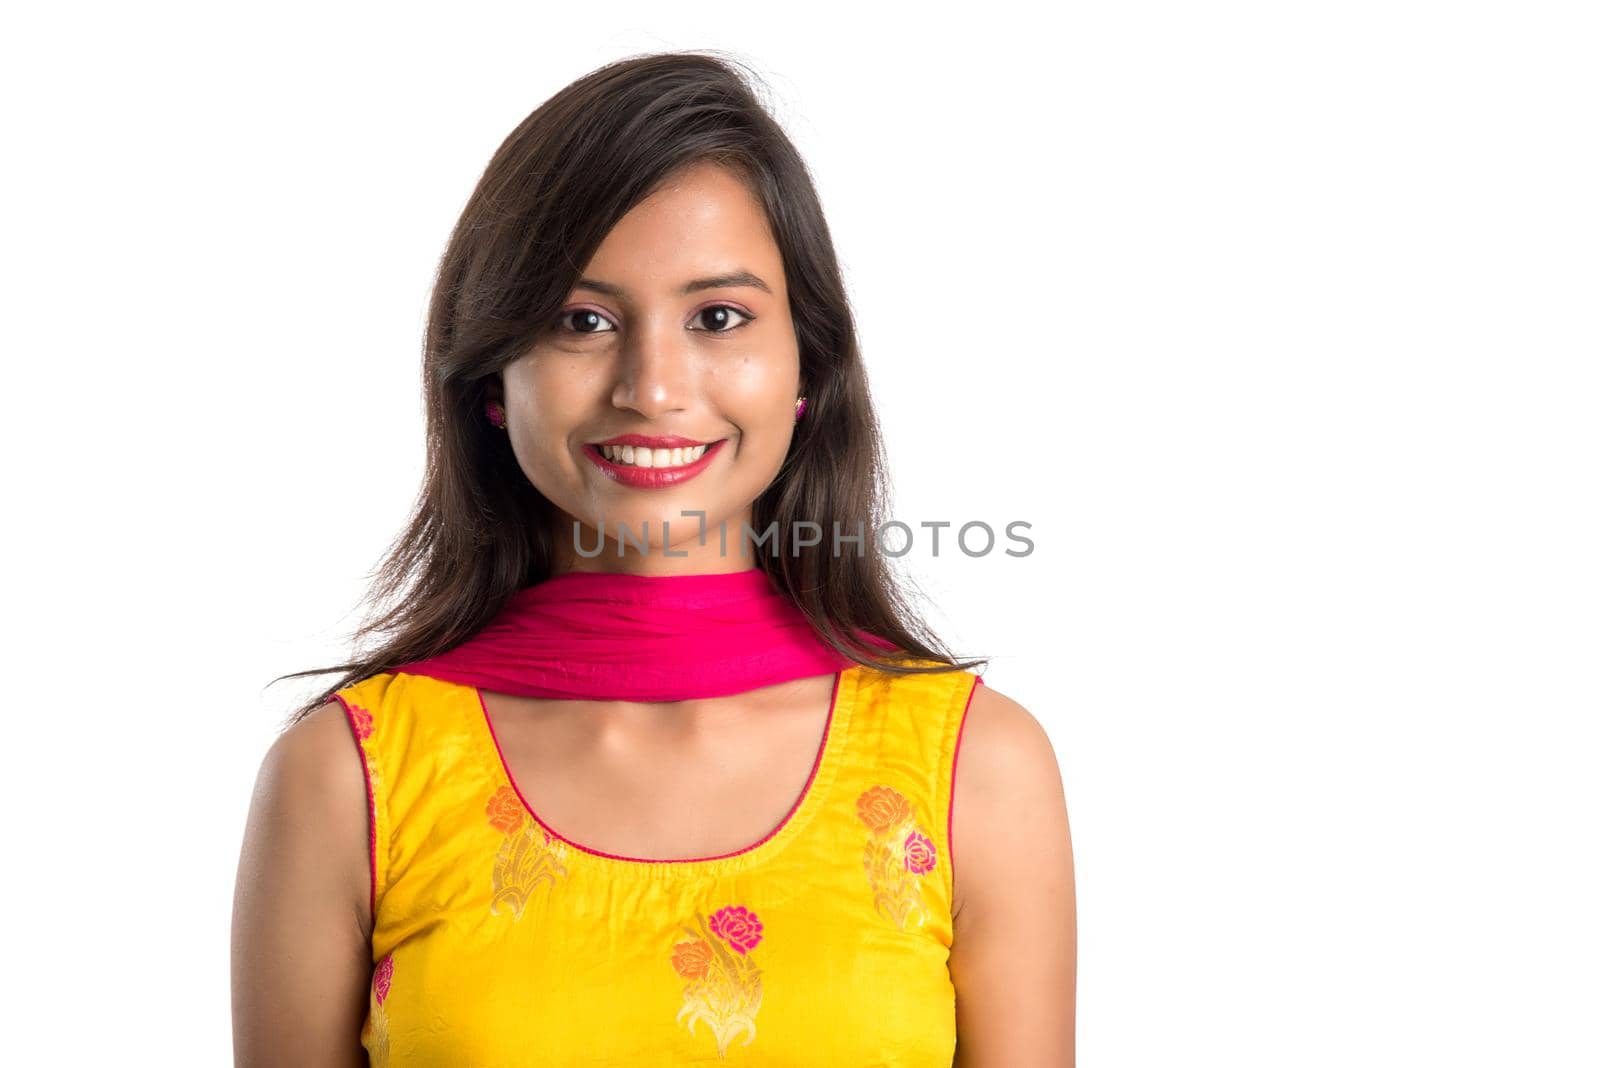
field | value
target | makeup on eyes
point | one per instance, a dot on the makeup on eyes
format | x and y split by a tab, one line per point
567	313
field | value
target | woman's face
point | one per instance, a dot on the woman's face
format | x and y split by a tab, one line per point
678	328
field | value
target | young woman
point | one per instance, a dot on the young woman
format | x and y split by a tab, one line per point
645	771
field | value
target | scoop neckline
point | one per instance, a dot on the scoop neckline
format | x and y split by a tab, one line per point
812	798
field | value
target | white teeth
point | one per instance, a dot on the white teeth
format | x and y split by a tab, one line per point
628	455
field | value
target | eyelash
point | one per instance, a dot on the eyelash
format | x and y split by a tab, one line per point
562	319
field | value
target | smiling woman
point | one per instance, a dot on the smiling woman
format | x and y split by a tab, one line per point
668	800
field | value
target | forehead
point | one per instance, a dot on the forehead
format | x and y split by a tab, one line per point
702	220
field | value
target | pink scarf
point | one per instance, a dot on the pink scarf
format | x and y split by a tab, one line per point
597	636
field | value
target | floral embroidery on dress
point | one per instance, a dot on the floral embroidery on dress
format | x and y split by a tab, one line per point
377	1039
724	988
361	721
528	856
898	854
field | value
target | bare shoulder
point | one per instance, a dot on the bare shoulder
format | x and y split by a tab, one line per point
315	750
313	770
1014	958
1007	776
313	784
301	957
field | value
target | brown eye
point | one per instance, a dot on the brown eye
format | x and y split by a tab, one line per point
586	321
718	318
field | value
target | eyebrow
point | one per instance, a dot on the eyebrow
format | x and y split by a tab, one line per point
721	281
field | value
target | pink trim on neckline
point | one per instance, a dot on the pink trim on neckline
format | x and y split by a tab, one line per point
823	750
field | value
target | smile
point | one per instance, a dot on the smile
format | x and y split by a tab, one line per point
652	464
642	457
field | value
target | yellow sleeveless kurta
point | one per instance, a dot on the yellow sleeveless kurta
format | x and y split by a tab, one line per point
497	942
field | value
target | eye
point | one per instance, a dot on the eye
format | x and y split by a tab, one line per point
717	316
588	321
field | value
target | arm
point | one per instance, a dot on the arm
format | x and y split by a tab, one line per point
1014	960
301	955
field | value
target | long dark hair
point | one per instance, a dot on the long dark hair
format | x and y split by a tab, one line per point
479	530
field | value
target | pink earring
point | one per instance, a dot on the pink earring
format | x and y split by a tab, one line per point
497	414
799	409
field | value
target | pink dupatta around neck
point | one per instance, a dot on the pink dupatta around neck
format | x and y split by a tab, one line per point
620	637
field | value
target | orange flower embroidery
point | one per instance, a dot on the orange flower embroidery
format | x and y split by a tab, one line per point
882	808
505	811
691	959
528	856
724	983
898	855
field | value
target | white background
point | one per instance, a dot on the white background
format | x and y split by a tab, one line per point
1277	321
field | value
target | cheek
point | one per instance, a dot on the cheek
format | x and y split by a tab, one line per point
757	393
532	388
551	393
543	404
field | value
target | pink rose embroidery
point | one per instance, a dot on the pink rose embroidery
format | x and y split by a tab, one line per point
382	977
920	853
737	926
361	720
375	1034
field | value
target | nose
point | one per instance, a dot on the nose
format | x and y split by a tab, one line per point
655	375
